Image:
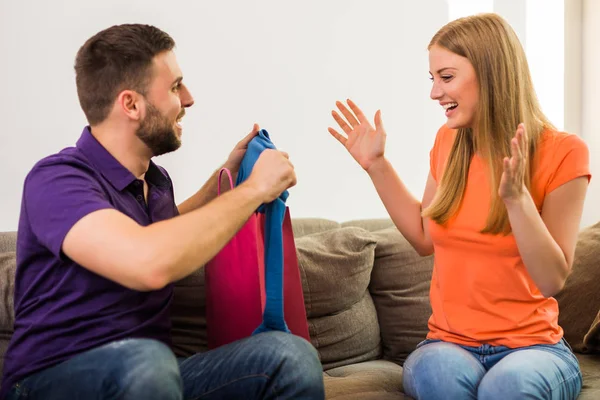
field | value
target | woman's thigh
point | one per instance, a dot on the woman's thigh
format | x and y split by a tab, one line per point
441	370
536	372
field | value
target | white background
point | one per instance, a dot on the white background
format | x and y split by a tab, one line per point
280	63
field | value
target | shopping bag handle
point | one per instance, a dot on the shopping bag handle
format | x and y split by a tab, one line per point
230	180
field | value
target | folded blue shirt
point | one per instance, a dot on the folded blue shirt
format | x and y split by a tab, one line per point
273	318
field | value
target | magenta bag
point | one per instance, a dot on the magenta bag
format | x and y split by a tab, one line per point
235	283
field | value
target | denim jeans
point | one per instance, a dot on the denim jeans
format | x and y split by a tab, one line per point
270	365
441	370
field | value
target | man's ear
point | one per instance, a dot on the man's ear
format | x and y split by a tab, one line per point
130	103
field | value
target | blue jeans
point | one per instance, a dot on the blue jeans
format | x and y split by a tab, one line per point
270	365
441	370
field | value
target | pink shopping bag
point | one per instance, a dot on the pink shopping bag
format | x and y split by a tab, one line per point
235	284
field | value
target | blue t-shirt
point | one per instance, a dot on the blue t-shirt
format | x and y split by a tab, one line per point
61	308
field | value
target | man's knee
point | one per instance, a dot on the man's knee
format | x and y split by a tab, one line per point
296	357
292	348
150	371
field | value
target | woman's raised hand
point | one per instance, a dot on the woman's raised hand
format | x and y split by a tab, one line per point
365	143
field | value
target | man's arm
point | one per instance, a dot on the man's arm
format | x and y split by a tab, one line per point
208	191
111	244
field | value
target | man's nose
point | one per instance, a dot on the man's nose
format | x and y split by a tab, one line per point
186	97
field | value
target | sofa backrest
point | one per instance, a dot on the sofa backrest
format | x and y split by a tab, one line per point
392	312
381	310
7	275
8	241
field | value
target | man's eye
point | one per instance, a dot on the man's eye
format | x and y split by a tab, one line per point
177	87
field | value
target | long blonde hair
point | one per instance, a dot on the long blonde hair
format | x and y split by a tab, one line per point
506	98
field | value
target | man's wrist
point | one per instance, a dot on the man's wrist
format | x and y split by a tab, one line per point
253	192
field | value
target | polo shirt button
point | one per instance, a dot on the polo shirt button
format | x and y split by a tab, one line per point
139	197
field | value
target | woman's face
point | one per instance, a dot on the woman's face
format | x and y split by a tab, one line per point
454	86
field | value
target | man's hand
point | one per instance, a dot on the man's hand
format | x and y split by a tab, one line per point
272	174
209	190
237	154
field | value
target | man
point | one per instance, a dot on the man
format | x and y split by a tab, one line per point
101	241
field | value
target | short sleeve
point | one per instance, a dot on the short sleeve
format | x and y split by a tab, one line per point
434	153
58	194
571	160
432	158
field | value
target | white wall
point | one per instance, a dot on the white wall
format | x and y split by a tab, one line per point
573	70
282	64
279	63
591	103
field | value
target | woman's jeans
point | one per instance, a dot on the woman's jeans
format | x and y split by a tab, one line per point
441	370
271	365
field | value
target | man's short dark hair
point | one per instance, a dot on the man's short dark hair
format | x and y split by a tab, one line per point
113	60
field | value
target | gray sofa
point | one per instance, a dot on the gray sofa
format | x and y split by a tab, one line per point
366	296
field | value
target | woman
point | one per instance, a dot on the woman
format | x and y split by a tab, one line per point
501	211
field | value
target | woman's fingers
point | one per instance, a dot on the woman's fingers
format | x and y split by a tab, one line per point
515	149
347	113
336	135
341	122
359	114
522	141
507	168
378	121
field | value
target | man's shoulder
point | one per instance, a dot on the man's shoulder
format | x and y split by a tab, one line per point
68	159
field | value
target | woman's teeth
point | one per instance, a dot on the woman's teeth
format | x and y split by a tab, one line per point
449	106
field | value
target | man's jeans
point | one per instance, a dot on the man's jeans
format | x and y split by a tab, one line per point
441	370
270	365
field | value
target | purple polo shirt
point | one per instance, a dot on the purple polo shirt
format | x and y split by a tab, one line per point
61	308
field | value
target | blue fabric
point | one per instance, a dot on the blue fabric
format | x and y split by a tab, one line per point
273	318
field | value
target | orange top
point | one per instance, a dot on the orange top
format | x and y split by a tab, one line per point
481	291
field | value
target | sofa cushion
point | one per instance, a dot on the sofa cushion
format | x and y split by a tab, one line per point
579	301
8	241
335	267
8	265
372	225
400	288
590	369
591	340
309	226
376	380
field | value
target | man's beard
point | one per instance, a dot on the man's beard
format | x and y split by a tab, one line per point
157	132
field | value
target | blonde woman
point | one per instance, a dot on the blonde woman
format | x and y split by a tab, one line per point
501	211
